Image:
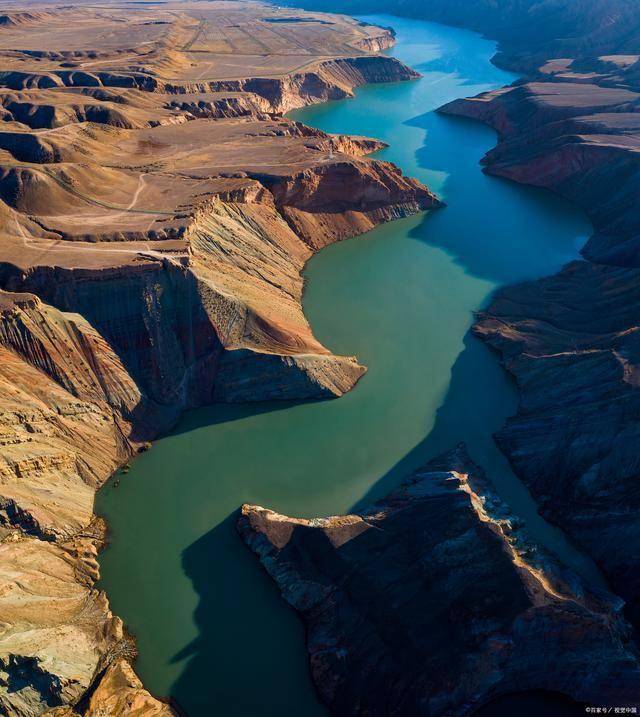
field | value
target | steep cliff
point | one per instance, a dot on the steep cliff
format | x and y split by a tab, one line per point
157	212
529	32
570	339
66	422
434	601
578	138
333	79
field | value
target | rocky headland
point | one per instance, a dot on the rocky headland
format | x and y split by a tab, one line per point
157	211
434	601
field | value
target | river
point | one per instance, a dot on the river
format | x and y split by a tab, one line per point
211	628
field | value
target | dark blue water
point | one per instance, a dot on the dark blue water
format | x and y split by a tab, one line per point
211	628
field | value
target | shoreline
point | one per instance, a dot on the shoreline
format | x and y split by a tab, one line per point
207	602
101	688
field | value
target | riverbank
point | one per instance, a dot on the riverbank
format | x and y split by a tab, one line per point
157	211
401	299
572	128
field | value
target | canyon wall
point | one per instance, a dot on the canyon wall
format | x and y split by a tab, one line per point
571	125
529	32
570	339
68	407
157	214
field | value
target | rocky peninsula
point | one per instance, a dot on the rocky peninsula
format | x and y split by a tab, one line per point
157	210
434	601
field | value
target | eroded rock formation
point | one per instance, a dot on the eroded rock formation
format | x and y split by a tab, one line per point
434	601
570	339
156	211
529	32
570	125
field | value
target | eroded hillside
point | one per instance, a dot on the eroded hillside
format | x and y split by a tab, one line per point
157	210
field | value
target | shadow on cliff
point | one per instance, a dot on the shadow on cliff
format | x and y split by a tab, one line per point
532	704
480	399
240	668
521	232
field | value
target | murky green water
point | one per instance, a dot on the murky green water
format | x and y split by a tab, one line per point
211	628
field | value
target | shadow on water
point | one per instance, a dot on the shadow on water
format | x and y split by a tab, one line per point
219	413
500	213
469	414
225	587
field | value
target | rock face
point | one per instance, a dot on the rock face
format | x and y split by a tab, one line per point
59	626
571	126
578	138
67	409
433	601
529	32
333	79
570	339
119	692
157	212
571	343
66	422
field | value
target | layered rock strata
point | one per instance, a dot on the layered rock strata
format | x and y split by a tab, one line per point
434	601
156	211
529	32
66	422
570	339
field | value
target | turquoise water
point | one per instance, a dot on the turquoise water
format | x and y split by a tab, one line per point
211	628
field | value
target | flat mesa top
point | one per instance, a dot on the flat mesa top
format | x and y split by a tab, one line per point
180	41
121	121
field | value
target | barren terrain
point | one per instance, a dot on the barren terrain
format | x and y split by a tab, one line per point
156	212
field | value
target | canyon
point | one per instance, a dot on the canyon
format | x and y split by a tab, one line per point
568	339
570	125
402	301
157	211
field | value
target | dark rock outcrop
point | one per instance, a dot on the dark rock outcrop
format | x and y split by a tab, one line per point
571	339
433	601
578	139
529	32
571	342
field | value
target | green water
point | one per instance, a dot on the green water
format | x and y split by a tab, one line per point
211	629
